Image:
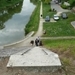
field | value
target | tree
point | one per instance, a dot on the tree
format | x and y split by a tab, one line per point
72	2
46	1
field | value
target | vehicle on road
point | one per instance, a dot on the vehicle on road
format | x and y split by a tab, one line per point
47	19
56	17
56	1
64	15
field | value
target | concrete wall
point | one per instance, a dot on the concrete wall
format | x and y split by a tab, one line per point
38	69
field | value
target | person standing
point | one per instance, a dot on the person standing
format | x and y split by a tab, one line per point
36	42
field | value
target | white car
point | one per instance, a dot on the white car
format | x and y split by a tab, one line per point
56	17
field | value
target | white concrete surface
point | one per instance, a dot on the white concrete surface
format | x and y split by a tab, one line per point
73	24
36	56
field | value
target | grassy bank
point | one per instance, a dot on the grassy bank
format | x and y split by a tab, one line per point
34	20
62	27
7	3
60	43
65	49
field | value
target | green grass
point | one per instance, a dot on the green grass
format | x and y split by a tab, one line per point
62	27
65	48
61	45
47	10
34	20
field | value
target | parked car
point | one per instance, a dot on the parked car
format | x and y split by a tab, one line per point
56	17
47	19
64	15
56	1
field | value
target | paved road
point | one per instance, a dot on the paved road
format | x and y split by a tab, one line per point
57	7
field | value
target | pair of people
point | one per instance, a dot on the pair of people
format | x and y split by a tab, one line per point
38	42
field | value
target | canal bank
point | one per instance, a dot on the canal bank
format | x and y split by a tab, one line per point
15	20
26	41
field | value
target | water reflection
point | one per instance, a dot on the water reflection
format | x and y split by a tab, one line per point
15	18
8	12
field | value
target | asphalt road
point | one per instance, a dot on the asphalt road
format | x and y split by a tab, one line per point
57	7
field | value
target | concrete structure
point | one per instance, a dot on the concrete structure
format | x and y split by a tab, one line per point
34	57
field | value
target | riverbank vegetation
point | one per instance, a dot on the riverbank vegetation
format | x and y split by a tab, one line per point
34	20
8	3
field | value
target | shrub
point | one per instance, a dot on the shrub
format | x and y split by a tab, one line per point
64	6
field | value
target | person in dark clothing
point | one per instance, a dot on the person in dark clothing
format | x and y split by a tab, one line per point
36	42
40	43
41	15
32	42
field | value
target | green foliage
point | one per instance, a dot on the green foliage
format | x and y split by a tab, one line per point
72	2
5	3
34	20
34	1
46	1
64	6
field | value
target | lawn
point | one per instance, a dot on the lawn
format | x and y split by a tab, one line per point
47	10
62	27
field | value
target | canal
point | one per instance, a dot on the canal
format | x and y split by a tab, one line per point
14	19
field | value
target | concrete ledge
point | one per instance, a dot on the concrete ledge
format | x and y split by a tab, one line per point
26	38
38	69
34	57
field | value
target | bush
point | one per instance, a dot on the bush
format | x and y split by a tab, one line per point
64	6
